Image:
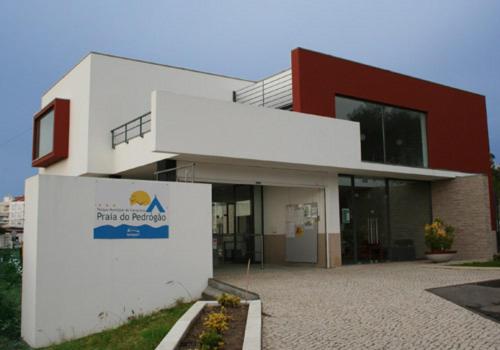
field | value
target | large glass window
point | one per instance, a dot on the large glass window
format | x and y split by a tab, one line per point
45	135
388	134
410	210
383	219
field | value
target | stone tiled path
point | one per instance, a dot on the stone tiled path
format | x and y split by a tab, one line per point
381	306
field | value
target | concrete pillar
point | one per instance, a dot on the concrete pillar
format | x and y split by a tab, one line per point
333	239
464	203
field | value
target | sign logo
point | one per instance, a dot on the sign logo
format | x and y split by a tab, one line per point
129	215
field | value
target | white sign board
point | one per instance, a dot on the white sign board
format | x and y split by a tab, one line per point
130	211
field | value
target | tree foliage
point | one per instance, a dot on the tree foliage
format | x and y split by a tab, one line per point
10	290
495	169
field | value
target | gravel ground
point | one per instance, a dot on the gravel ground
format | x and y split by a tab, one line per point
379	306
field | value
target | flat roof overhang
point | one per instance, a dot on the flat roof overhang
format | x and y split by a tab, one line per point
368	169
211	131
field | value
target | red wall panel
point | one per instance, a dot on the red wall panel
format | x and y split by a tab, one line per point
457	131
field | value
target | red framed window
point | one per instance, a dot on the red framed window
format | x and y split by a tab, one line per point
51	133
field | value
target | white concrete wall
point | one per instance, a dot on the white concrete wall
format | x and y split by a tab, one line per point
121	91
332	204
199	126
74	86
277	198
107	91
136	153
74	285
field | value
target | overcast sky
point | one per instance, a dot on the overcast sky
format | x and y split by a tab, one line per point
451	42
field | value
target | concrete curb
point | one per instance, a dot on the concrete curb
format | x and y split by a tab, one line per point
253	328
173	337
449	267
225	287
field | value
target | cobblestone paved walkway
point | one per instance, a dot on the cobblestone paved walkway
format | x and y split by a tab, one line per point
381	306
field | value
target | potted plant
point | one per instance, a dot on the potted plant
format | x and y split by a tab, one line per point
439	239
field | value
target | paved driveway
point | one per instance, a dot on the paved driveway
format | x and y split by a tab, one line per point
381	306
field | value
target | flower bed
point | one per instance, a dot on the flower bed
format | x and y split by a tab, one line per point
223	325
232	338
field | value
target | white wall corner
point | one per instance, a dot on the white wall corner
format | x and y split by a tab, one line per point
332	204
28	296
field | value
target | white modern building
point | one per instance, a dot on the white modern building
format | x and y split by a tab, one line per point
327	162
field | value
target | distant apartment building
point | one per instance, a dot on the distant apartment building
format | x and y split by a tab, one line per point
16	213
4	210
12	218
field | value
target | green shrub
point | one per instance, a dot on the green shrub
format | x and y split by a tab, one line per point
10	319
211	340
10	267
10	284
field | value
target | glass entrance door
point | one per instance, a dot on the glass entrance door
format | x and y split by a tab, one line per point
382	219
348	236
363	219
370	204
236	223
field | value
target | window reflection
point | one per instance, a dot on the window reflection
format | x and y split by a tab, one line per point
404	136
410	210
388	134
45	134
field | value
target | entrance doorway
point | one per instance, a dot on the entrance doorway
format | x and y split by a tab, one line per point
236	223
302	233
382	219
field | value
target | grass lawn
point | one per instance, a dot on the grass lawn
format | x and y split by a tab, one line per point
491	263
141	332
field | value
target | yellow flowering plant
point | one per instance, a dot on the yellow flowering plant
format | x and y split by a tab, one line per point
229	300
217	321
439	236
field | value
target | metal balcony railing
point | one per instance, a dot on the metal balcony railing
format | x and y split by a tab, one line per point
272	92
135	128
